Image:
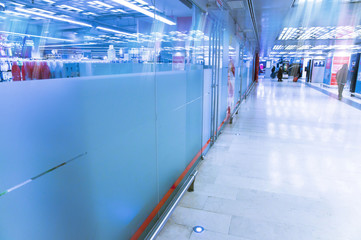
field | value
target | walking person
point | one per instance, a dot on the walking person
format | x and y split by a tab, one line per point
341	78
280	74
296	72
273	72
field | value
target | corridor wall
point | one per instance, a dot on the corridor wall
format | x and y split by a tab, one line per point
101	155
247	73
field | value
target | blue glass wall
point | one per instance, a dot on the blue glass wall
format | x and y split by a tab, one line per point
91	151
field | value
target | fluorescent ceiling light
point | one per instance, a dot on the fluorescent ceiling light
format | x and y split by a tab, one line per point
70	8
30	35
17	4
69	45
17	14
304	33
53	17
89	13
42	11
49	1
118	10
115	31
103	4
144	11
141	2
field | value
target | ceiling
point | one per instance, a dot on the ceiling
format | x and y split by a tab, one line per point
312	26
90	23
276	27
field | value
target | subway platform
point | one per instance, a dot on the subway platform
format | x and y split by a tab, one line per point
288	167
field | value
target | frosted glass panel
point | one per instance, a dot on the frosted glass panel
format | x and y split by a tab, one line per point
103	195
179	125
207	105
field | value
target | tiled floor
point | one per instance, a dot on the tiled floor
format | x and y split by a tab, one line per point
289	168
346	92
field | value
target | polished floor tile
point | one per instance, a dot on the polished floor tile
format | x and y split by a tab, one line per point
288	168
209	220
175	231
208	235
194	200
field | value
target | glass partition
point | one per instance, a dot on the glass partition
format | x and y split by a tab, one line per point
107	107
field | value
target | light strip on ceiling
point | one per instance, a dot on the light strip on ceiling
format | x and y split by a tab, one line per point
30	35
103	4
115	31
144	11
49	1
70	8
52	17
16	14
69	45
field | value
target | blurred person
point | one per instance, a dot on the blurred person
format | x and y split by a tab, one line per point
280	74
296	72
341	78
273	69
307	70
273	72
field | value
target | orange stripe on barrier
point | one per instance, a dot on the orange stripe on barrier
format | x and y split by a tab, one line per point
147	221
220	126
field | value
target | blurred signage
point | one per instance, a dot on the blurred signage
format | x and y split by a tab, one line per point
29	43
336	66
319	63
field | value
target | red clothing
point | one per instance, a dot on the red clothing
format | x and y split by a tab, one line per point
28	69
15	70
45	71
23	72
